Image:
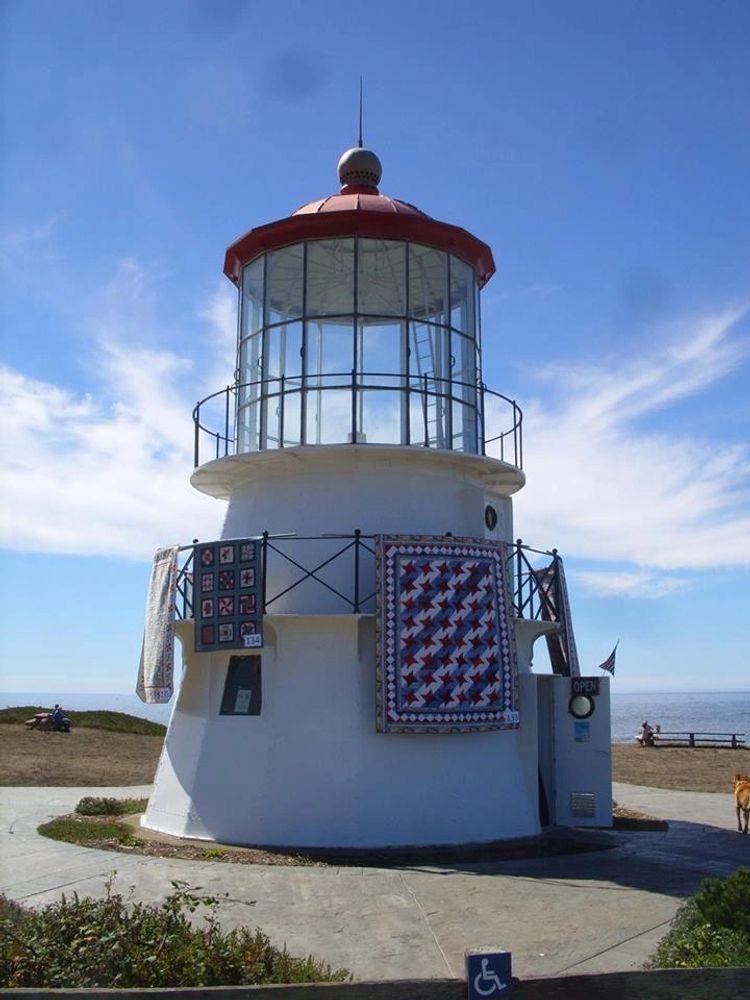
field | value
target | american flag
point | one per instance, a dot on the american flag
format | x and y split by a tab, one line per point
609	663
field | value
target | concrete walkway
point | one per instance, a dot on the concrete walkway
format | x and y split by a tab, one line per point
592	912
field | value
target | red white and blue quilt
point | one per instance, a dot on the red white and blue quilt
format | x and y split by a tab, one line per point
446	659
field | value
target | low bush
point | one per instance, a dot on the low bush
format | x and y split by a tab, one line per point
92	805
87	943
710	929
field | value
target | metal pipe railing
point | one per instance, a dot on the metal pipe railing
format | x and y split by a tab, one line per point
438	397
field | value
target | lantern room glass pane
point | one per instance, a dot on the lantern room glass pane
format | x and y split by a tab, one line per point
381	278
379	419
428	354
428	284
250	361
285	271
251	306
380	350
283	352
463	360
330	351
330	278
329	416
462	296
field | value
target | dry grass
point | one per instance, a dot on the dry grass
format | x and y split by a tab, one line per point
687	769
98	758
82	757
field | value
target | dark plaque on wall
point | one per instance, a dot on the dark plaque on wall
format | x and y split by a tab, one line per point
242	689
228	595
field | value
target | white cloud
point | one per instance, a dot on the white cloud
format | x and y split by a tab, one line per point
108	473
604	484
640	584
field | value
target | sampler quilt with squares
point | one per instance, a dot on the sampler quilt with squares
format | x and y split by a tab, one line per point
228	598
446	659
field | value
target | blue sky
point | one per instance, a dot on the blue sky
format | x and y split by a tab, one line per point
601	148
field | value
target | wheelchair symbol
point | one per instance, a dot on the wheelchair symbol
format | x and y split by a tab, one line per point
487	983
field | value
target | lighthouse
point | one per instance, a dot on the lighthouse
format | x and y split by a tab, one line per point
357	645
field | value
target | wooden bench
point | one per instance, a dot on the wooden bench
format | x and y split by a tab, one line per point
734	741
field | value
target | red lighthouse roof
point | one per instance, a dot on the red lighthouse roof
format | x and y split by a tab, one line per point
360	210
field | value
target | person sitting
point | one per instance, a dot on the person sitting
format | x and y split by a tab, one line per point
646	736
60	723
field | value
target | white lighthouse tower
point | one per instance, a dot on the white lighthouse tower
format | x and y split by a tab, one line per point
357	645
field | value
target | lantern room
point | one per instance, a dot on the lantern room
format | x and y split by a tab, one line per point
359	323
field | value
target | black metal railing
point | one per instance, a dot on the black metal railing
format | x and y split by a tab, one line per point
434	413
529	599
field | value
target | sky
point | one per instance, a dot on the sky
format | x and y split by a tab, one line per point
601	148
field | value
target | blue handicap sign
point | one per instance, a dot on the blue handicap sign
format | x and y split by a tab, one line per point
488	974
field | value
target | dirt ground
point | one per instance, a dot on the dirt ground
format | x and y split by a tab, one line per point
688	769
82	757
97	757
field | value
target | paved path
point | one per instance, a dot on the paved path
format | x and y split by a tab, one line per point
599	911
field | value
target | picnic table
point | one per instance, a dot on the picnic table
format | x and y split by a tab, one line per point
42	720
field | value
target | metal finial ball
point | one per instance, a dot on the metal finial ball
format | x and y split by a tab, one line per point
360	166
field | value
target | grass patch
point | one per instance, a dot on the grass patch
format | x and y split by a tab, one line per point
92	805
113	722
89	944
89	832
710	929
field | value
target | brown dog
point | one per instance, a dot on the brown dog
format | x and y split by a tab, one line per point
742	799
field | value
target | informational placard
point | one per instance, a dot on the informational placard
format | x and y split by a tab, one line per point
488	974
228	595
582	732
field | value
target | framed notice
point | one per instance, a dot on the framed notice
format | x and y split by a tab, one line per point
228	595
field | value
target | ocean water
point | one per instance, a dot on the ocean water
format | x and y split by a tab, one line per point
707	711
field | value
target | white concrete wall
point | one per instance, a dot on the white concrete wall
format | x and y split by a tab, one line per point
311	769
335	489
577	766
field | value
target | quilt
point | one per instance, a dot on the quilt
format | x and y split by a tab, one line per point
445	655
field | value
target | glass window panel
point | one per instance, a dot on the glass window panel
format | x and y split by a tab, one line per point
330	277
428	353
463	363
381	278
380	416
284	282
247	427
250	359
283	351
428	280
462	296
330	351
428	417
329	416
464	429
292	416
380	350
252	298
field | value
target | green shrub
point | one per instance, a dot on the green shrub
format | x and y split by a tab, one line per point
87	943
711	929
92	805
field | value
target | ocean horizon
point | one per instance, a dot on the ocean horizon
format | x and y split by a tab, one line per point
674	711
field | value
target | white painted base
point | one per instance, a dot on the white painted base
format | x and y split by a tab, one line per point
311	769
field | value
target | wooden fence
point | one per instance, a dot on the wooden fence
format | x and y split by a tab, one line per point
660	984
